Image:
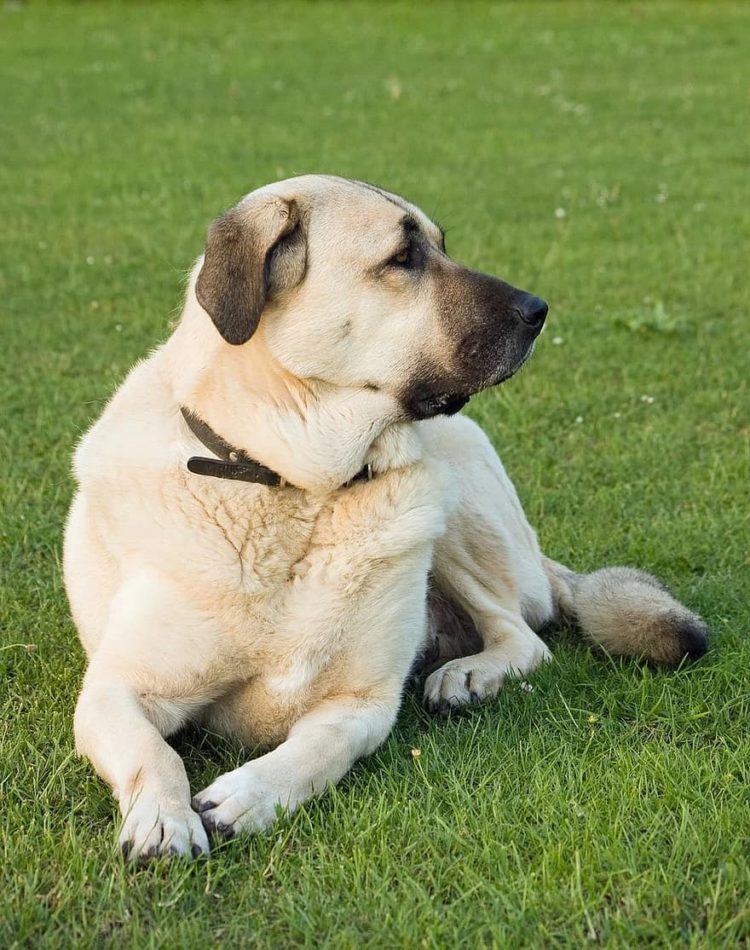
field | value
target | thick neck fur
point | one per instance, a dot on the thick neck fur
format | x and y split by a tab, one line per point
315	436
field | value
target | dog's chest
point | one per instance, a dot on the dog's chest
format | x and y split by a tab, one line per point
294	590
251	536
267	541
291	575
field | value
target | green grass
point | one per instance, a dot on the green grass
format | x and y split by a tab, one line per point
611	803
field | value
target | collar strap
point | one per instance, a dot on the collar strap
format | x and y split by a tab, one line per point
231	463
235	464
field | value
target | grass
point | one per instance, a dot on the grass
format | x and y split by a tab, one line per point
596	154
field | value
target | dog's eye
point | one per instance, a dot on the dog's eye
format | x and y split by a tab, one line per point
402	258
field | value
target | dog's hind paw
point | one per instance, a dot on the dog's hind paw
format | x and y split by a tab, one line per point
473	679
449	688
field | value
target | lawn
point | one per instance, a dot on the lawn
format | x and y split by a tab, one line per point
598	155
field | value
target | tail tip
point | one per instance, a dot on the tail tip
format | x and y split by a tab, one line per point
693	637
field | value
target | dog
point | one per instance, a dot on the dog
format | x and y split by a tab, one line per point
280	516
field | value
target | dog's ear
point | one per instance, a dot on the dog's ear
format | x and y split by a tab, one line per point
251	253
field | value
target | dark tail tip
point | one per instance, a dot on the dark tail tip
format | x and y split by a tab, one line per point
693	637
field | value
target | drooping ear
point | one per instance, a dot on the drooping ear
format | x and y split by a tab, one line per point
252	251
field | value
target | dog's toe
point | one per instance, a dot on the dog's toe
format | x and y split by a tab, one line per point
152	828
238	801
201	806
447	689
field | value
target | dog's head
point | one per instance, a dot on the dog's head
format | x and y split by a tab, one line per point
353	287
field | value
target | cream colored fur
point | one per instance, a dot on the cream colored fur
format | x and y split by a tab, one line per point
285	617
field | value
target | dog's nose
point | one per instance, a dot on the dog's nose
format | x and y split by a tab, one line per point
533	310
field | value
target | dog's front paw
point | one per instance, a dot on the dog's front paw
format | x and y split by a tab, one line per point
152	827
472	679
239	801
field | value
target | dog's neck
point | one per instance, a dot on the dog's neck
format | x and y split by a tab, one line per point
315	436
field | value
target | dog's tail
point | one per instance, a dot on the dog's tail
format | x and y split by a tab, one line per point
628	613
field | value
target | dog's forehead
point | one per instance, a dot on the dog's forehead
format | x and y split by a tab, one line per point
366	219
358	207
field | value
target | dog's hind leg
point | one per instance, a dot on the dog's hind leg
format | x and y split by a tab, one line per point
488	563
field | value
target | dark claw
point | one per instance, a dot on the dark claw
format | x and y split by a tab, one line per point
200	807
152	852
474	698
209	824
226	831
444	708
217	828
195	850
126	848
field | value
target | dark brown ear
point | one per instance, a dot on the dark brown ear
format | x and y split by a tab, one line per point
239	271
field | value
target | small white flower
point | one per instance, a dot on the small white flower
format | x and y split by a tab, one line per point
557	340
579	419
118	328
526	687
393	85
617	415
560	213
90	259
647	399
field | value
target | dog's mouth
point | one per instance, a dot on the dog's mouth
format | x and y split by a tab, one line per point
449	403
503	375
443	404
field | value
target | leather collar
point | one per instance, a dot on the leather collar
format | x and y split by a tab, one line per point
235	464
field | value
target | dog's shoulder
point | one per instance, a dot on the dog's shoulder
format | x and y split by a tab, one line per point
135	432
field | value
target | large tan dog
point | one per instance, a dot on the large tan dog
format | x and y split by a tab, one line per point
278	515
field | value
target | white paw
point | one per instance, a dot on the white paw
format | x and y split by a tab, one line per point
472	679
240	801
153	827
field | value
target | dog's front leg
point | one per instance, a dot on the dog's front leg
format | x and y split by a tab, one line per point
319	750
137	689
147	776
354	619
